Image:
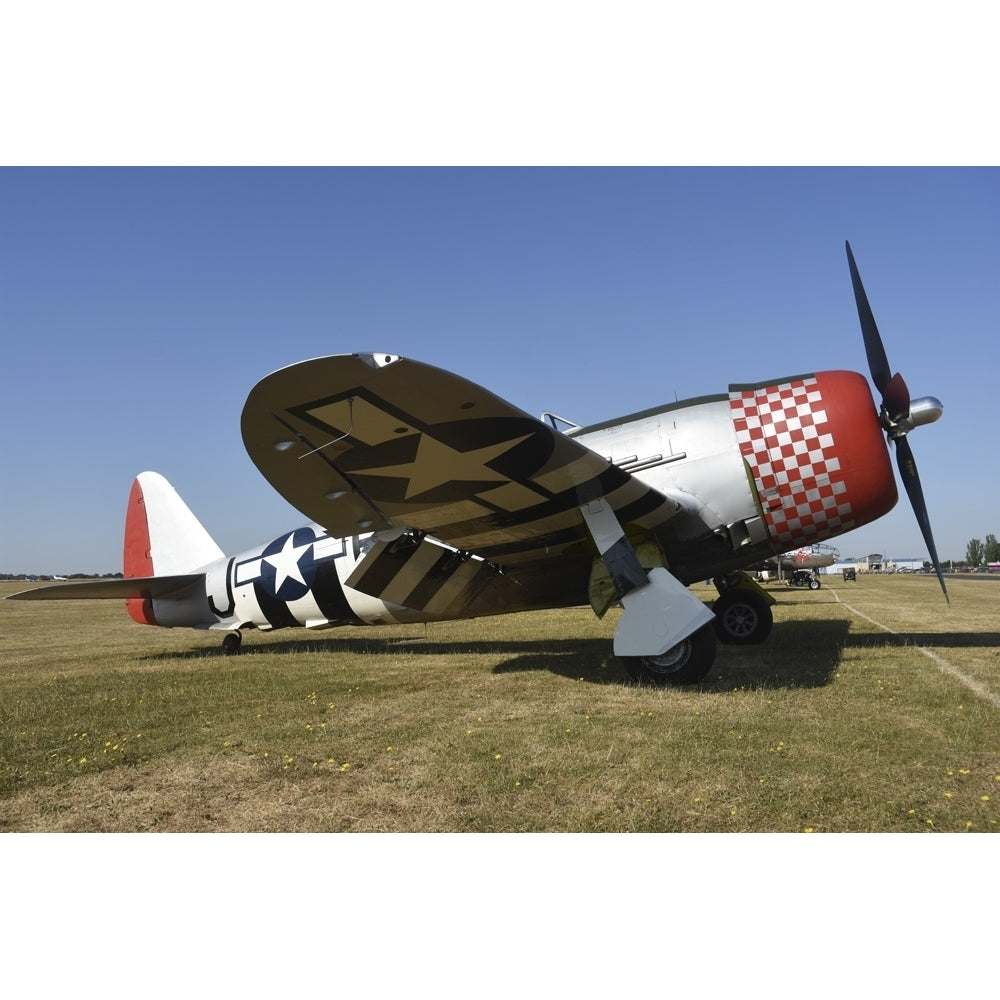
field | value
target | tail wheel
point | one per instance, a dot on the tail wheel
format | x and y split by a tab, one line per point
231	643
742	617
686	663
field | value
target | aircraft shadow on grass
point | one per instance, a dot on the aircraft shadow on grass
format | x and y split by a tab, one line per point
797	655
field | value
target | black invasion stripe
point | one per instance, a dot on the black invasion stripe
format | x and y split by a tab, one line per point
329	595
385	567
538	545
640	507
436	576
644	505
275	611
457	532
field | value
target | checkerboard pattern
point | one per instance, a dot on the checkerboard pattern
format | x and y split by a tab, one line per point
784	435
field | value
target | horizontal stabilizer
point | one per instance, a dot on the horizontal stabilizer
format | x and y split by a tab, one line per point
141	587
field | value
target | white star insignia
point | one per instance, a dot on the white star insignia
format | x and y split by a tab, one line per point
286	562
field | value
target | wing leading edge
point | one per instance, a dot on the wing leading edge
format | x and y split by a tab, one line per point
361	443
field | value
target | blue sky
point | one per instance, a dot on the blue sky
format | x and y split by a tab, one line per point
140	306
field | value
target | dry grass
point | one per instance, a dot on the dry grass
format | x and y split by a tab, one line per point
522	723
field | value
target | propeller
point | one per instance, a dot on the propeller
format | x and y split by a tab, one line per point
898	413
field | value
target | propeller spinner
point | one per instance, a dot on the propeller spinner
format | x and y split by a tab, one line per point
898	413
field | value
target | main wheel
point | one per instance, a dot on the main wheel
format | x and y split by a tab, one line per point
686	663
742	617
231	643
814	584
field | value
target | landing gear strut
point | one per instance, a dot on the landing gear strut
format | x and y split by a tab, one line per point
231	643
664	633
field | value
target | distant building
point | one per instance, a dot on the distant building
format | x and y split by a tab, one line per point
911	565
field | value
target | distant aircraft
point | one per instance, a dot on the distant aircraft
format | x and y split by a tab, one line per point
801	560
433	500
807	557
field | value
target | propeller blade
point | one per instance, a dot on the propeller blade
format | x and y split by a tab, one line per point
896	398
911	480
878	363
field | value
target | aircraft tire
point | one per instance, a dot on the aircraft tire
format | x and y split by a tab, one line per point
686	663
814	584
231	643
742	618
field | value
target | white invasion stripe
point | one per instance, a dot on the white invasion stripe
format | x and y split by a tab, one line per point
943	665
307	611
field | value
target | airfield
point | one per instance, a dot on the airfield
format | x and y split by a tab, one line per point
874	706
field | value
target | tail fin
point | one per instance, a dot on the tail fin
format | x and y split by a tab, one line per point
162	536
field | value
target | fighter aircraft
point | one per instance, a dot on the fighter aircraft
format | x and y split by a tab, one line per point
798	561
432	499
807	557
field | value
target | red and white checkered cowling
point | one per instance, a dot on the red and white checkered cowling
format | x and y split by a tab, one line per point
816	453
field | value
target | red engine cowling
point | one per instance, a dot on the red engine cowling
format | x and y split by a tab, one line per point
816	454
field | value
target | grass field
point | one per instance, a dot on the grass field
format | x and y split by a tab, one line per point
521	723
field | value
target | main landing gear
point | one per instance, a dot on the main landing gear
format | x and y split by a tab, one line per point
743	611
742	617
686	663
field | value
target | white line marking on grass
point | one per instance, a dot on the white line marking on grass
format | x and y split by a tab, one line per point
945	667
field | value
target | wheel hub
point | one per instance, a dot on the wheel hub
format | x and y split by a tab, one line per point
673	659
740	620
